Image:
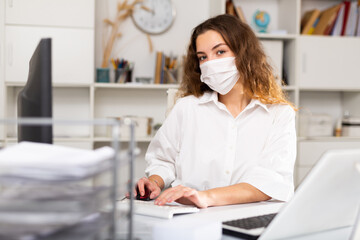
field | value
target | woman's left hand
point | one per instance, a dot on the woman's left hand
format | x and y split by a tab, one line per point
183	195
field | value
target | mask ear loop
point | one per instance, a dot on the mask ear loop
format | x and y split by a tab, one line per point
357	166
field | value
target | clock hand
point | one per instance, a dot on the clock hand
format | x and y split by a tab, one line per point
148	9
153	7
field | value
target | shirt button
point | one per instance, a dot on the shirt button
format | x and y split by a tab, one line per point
234	126
227	171
231	147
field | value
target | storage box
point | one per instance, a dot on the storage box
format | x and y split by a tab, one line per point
351	127
315	125
143	126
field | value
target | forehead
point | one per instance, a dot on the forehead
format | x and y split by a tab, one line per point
208	39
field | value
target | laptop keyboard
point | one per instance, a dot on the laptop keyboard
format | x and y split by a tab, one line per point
252	222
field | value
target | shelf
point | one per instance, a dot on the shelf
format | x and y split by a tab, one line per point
322	89
135	86
76	85
72	139
108	139
59	139
329	37
289	88
84	139
327	139
80	85
276	36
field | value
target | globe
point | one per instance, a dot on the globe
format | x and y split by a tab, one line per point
261	20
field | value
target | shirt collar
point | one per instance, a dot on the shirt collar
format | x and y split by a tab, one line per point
208	97
255	102
213	96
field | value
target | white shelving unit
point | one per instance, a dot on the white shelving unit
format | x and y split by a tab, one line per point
322	72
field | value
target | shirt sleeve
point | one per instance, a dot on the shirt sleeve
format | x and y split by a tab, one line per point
164	147
273	173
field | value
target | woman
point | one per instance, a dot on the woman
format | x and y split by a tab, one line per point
231	137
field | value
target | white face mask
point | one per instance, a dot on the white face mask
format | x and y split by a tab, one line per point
220	75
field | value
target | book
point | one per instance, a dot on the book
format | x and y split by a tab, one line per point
312	28
346	16
328	30
336	30
157	78
352	19
331	24
326	19
308	20
163	59
230	9
240	14
358	22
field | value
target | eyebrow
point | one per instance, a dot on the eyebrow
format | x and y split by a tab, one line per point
216	46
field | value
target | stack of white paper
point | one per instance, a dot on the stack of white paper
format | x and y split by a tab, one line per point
40	161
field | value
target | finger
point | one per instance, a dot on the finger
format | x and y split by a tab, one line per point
160	200
194	197
141	186
155	193
178	194
170	195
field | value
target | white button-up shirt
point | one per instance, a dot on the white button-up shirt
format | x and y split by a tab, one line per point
202	146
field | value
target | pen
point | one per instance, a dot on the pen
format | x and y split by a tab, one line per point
113	63
122	198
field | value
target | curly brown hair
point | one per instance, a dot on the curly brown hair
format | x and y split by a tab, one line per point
255	71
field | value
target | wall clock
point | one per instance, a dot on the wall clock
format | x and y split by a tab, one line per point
154	16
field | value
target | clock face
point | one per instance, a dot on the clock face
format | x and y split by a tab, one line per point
156	18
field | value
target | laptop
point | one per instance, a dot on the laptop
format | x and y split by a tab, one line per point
327	199
355	233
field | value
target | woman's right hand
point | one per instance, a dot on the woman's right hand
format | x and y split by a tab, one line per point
151	186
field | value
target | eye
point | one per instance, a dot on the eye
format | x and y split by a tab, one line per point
220	52
201	58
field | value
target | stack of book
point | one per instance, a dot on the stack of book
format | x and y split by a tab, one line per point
165	69
340	20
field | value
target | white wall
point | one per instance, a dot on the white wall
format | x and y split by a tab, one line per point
133	45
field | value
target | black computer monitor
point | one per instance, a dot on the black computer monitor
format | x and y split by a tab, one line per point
35	100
